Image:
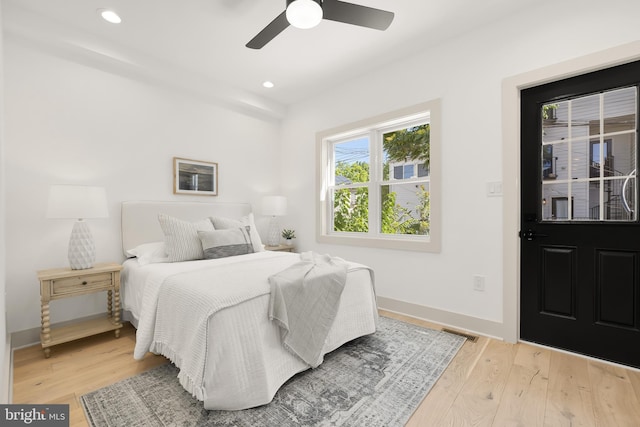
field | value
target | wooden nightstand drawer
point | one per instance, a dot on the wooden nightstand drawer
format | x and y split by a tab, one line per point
81	283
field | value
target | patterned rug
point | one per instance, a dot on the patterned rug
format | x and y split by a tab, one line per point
376	380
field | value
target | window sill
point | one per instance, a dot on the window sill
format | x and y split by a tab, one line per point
431	245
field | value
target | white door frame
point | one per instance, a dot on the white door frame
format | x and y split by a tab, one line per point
511	88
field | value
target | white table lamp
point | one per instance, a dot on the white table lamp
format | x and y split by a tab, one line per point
79	202
274	206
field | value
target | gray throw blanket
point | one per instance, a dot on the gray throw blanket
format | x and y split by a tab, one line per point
304	302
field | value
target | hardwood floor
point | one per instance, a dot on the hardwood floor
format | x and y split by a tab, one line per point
488	383
76	368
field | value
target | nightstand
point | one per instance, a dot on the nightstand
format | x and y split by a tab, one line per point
58	283
281	248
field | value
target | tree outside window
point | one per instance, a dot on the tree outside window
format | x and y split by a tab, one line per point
399	181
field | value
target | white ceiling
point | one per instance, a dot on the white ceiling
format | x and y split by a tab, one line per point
206	38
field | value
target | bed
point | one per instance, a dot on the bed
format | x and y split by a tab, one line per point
210	317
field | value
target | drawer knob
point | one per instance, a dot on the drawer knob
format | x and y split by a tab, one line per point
85	282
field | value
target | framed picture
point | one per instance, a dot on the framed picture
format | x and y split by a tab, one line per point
195	177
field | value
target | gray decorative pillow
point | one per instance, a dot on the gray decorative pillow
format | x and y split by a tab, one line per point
181	237
220	223
224	243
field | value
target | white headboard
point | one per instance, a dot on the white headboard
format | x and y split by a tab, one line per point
140	218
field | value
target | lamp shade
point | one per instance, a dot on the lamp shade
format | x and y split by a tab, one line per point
304	14
77	201
274	205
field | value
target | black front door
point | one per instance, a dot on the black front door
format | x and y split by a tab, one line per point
580	234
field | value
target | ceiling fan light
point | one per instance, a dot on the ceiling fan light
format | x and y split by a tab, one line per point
304	14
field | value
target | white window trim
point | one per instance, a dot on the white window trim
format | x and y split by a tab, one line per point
430	243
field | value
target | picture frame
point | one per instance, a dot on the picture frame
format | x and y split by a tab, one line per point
195	177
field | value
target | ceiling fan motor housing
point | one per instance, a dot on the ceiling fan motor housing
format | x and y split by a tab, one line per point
317	1
304	14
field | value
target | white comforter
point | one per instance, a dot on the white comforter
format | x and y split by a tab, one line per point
210	318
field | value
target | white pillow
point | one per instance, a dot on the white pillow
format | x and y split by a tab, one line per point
149	253
220	223
181	237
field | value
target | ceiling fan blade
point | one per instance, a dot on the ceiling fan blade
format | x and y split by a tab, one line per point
350	13
274	28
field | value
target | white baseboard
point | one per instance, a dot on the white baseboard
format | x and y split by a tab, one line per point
25	338
446	318
6	388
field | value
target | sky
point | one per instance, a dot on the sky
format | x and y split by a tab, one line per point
356	150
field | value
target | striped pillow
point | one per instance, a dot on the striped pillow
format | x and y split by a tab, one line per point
224	243
181	237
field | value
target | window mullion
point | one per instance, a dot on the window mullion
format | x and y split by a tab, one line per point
569	162
330	190
375	176
602	159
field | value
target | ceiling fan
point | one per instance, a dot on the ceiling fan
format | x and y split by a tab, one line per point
308	13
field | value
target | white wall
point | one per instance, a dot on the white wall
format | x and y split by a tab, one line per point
4	370
467	74
71	123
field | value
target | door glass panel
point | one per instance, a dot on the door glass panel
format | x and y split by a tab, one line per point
555	158
585	200
554	201
628	196
579	158
614	204
620	110
595	137
622	157
560	208
554	122
548	162
584	112
594	201
599	158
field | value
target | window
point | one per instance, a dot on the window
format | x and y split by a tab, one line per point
560	207
596	164
589	157
379	181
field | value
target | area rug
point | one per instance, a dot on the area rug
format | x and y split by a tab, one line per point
376	380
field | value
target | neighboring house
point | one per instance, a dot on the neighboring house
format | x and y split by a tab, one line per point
408	196
341	180
573	138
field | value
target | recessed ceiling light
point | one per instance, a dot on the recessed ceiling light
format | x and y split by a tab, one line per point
110	16
268	84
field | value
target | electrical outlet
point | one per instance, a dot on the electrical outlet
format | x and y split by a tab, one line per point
478	283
